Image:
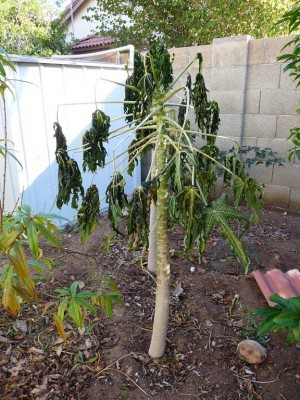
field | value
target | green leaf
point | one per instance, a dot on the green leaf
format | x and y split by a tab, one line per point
82	302
47	234
267	325
18	266
279	300
40	267
7	238
52	216
267	311
22	293
9	298
296	332
288	319
106	305
294	303
62	308
33	239
73	288
86	295
190	205
63	291
217	214
20	254
75	313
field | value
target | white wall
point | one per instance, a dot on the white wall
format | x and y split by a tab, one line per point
30	121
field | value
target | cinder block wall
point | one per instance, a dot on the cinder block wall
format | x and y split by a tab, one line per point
257	103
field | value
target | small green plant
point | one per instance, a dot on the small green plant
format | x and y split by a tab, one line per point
284	316
75	303
79	359
20	248
250	328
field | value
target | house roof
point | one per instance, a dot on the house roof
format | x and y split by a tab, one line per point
92	42
75	4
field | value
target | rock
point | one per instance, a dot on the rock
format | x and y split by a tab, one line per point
178	291
252	352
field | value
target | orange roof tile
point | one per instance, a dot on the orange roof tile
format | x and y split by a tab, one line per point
275	281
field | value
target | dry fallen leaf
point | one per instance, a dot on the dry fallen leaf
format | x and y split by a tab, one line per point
58	341
15	370
34	350
59	351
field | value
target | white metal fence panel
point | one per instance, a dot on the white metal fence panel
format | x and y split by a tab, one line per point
53	85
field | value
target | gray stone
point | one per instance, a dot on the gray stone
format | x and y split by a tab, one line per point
286	81
280	101
277	196
258	125
231	125
295	200
228	78
274	46
261	173
249	141
252	101
180	57
230	51
256	51
263	76
285	123
289	175
230	101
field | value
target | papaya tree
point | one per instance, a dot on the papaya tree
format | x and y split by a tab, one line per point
186	163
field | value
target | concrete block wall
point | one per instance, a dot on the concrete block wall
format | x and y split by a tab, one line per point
257	102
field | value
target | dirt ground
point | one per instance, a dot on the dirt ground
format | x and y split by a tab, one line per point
108	360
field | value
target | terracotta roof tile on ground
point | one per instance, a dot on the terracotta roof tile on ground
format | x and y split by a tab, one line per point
93	41
276	282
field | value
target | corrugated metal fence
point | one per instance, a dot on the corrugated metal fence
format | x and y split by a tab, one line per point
58	89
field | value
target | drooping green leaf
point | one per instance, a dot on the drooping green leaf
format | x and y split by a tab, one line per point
33	239
89	212
47	234
75	312
93	142
82	302
63	305
9	296
116	199
137	225
218	213
190	205
69	176
73	288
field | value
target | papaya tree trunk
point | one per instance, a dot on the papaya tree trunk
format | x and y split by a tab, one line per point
152	251
160	324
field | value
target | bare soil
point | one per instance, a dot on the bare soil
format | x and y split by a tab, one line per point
109	360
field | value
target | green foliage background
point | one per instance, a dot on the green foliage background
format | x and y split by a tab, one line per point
186	23
31	27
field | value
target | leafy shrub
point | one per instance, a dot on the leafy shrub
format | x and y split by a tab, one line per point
284	316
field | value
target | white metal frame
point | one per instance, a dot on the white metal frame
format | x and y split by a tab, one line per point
97	55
